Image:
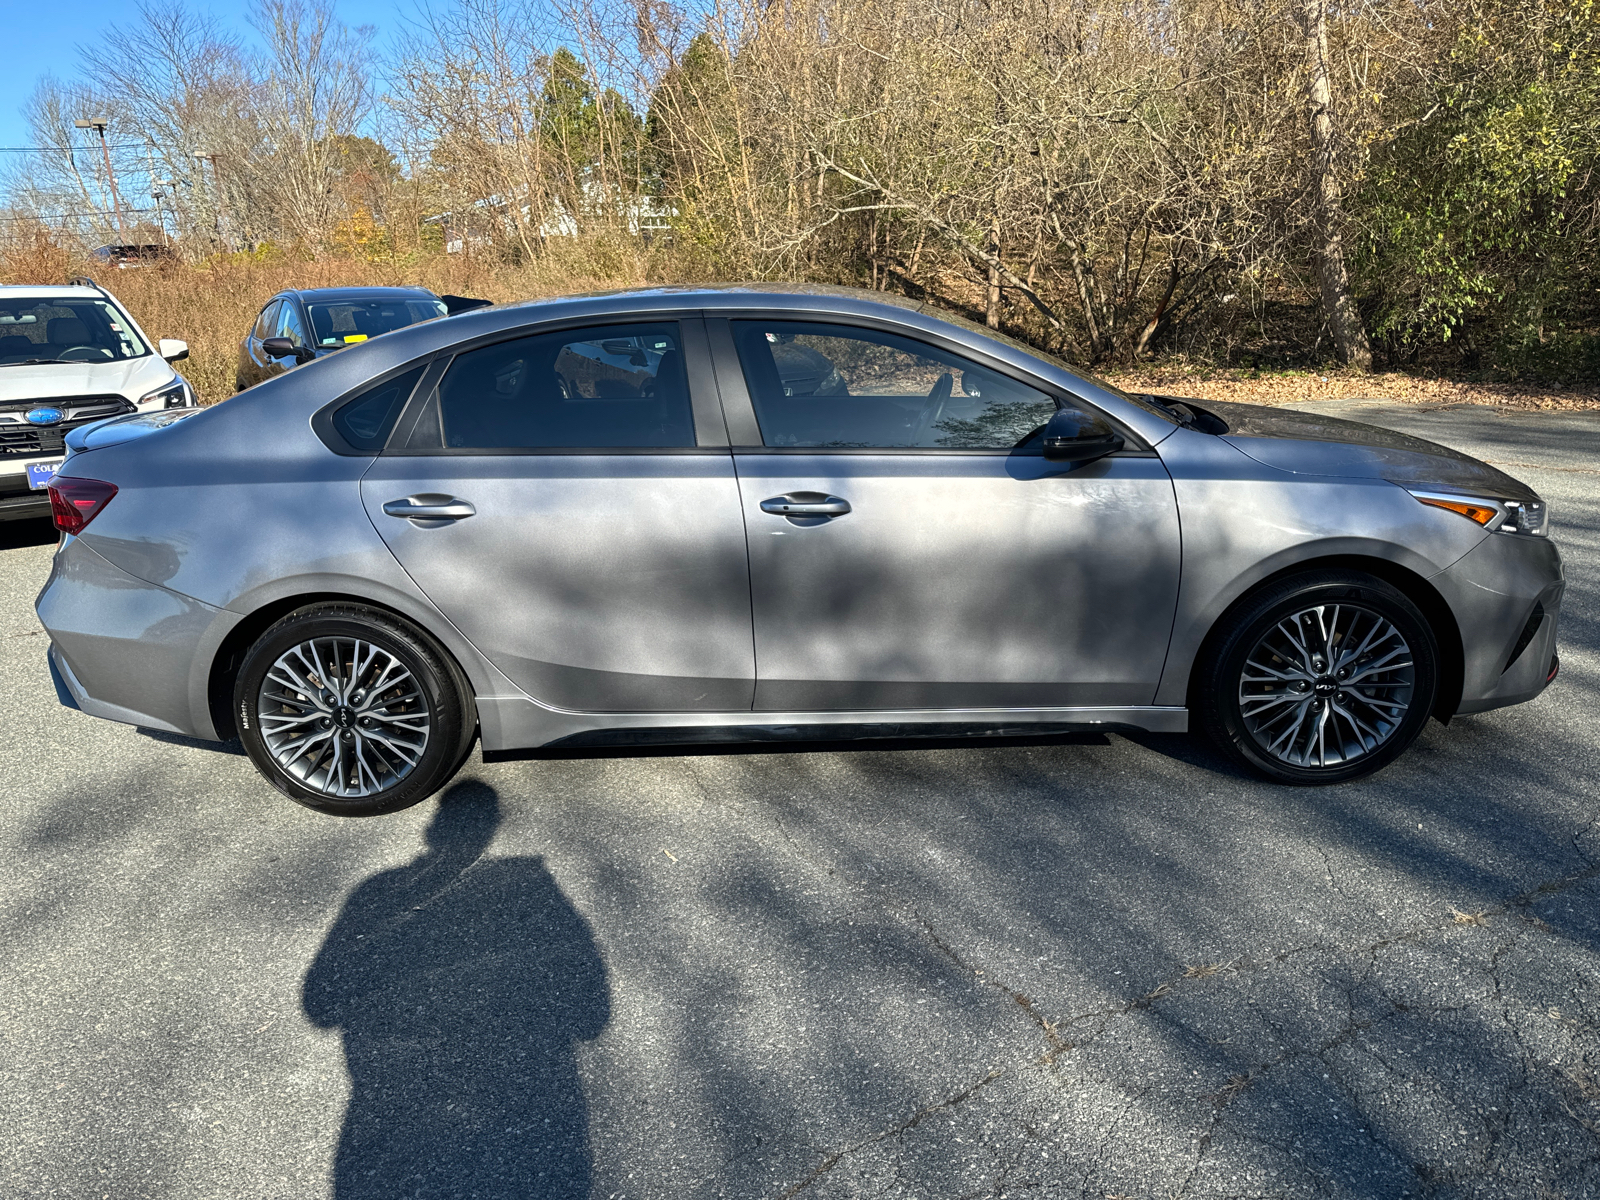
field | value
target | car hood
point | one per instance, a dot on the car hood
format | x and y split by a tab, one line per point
1312	444
131	378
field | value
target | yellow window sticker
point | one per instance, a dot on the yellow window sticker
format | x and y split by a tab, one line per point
355	337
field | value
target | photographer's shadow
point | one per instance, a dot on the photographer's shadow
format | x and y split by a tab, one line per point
460	984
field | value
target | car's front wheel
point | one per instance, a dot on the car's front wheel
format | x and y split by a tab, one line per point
1318	678
349	710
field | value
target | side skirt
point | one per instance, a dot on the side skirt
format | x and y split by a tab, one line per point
625	730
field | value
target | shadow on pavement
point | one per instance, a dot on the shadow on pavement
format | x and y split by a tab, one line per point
231	746
33	532
460	984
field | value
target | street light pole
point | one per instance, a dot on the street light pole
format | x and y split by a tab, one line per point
98	124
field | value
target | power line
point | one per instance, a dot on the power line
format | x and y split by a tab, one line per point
97	212
59	149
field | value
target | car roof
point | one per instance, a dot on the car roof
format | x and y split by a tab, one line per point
726	295
47	291
334	294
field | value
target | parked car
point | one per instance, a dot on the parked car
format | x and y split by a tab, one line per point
656	516
70	355
296	327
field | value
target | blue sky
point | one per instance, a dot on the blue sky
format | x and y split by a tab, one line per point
42	39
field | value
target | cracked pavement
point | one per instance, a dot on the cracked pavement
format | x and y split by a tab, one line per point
1058	967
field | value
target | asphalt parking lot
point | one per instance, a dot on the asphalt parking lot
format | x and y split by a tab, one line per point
1085	966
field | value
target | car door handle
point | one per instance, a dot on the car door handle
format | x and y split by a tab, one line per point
430	507
806	504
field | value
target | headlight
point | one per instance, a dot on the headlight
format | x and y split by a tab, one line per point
1528	517
177	394
1531	517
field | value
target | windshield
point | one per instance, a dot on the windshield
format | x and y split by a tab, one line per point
58	330
344	322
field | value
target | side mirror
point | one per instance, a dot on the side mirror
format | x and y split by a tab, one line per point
282	347
1072	436
172	349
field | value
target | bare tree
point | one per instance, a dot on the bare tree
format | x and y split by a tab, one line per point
1333	280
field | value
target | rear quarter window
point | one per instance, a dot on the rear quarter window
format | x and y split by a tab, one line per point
365	422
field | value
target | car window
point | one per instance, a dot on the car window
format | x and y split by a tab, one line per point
349	321
824	385
65	330
267	323
615	386
365	422
289	325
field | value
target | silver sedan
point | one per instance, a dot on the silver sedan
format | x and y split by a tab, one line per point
740	514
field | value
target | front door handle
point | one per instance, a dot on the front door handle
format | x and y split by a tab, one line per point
430	506
806	504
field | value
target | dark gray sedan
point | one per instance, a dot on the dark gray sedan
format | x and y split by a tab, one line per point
297	326
689	515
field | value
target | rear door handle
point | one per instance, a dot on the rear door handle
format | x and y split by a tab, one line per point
806	504
430	506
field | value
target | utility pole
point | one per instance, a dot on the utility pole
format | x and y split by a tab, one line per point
216	183
98	124
155	191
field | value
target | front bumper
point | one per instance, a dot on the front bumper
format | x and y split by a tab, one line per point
20	502
1506	597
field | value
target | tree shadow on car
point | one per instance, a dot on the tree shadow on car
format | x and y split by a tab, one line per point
460	984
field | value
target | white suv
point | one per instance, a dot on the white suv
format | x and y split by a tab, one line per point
68	356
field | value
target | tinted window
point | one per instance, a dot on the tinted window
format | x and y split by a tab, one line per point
608	387
366	421
289	325
349	321
267	323
833	385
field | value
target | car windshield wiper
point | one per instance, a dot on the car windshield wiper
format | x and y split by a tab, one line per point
31	362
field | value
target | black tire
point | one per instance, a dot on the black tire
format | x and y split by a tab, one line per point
401	743
1292	679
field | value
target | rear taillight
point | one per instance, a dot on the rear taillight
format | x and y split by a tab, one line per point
75	502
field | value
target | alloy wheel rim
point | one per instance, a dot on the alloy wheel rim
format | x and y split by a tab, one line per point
343	717
1327	686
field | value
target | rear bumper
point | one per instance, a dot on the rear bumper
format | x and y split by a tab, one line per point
127	650
1506	597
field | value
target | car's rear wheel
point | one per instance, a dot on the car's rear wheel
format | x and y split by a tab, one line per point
349	710
1319	678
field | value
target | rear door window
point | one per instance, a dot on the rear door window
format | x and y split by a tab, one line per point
607	387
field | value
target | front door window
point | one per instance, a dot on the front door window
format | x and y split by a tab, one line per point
838	387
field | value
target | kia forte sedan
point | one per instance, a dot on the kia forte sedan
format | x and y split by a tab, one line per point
693	515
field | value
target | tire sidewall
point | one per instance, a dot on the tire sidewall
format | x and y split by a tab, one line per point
435	679
1219	706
